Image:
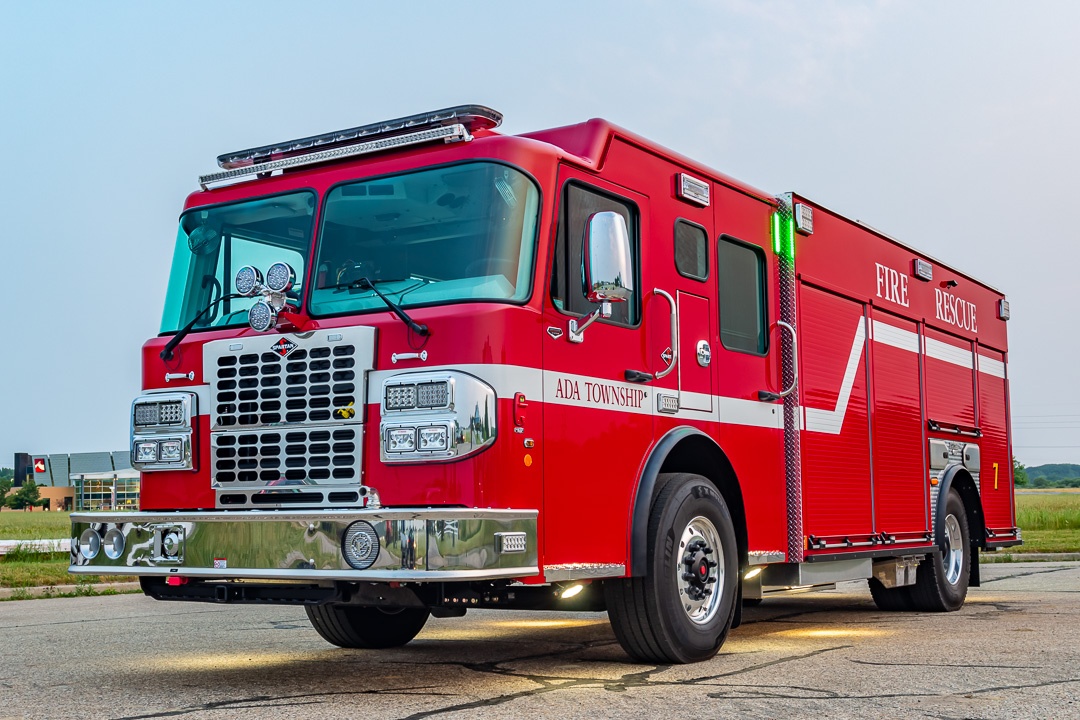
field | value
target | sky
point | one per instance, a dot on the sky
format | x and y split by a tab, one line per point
951	126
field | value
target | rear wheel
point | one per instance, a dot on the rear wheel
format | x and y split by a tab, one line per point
351	626
941	582
682	609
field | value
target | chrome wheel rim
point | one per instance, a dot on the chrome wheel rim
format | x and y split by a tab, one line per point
953	555
699	570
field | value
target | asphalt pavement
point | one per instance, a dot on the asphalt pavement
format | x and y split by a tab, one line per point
1012	652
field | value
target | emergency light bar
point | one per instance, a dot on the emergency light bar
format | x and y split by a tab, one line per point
449	125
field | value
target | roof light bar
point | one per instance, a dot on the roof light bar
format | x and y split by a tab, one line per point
472	117
449	133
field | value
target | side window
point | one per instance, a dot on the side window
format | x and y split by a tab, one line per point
691	251
579	203
741	275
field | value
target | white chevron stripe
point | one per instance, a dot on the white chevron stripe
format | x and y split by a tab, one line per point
832	421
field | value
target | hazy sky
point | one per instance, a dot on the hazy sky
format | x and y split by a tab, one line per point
952	126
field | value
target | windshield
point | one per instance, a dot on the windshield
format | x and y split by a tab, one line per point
213	243
459	233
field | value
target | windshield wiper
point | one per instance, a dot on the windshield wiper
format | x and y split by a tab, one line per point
366	284
167	351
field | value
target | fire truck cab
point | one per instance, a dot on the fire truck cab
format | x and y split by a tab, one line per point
419	366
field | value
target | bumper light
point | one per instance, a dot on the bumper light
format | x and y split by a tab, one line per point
89	543
360	545
114	544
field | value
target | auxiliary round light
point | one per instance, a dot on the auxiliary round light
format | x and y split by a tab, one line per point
89	544
262	316
114	544
571	591
280	277
360	546
247	281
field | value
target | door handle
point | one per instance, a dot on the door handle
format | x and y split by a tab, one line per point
767	395
674	319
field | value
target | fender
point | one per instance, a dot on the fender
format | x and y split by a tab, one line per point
646	489
973	510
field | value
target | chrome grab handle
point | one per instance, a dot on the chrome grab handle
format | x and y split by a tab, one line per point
765	394
674	334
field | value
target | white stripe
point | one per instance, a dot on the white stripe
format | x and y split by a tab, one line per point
895	337
990	366
584	391
735	411
592	392
832	421
948	353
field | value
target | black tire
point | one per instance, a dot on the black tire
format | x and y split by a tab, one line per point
351	626
941	581
666	617
891	599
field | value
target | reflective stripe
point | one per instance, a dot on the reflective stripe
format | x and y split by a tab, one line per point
831	421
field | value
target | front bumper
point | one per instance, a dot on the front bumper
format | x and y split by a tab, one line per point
415	545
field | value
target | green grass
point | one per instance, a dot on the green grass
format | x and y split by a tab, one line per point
21	569
1048	512
36	525
1049	541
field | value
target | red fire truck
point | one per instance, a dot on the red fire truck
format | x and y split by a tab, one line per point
419	366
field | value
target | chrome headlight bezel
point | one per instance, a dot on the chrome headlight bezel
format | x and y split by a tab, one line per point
173	437
458	406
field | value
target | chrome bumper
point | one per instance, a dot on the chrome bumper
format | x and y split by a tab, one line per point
415	545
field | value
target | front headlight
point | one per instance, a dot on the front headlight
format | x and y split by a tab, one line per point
161	431
146	452
400	440
171	451
433	438
436	416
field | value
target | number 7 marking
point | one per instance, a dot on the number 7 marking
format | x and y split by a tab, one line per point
995	475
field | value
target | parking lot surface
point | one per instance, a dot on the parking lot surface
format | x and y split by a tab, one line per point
1012	652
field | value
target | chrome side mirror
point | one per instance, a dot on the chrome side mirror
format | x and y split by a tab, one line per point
607	268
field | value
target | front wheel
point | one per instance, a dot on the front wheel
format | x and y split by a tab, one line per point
941	582
351	626
682	609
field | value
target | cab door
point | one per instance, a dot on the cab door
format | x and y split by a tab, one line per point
747	362
595	420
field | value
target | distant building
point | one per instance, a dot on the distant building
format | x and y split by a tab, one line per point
82	481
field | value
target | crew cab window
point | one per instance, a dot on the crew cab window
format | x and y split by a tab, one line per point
691	251
579	204
741	276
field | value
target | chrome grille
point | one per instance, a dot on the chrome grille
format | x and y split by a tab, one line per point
286	431
311	385
301	456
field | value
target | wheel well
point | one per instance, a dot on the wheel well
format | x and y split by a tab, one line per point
699	454
965	485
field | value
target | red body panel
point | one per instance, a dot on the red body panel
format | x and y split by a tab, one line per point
837	498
